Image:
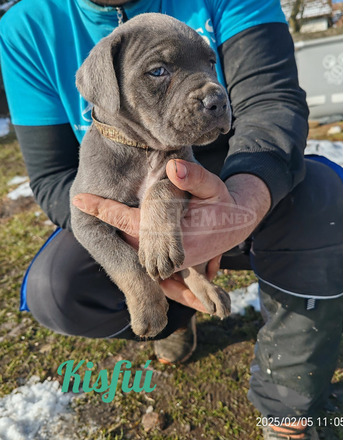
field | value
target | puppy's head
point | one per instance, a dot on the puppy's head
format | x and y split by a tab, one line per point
154	78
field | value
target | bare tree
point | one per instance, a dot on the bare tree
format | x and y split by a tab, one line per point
296	15
295	10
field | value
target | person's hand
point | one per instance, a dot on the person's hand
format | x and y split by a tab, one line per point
219	217
124	218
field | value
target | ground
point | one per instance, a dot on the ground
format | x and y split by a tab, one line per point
205	398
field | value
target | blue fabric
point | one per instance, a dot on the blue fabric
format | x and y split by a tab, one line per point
43	43
322	159
23	291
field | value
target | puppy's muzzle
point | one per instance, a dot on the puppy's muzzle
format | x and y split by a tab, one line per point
215	103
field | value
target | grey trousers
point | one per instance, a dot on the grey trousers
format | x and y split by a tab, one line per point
297	255
295	354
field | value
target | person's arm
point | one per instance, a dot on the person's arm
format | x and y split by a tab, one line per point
41	121
269	108
51	157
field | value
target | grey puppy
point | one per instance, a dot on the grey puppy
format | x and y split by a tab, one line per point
155	93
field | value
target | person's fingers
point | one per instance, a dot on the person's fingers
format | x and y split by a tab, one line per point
195	179
213	267
177	291
115	213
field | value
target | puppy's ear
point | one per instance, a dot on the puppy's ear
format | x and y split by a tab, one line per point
96	78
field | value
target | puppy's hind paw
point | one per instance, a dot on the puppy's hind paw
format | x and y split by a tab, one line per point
151	321
222	303
215	300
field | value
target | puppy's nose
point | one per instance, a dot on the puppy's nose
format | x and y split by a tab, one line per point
215	103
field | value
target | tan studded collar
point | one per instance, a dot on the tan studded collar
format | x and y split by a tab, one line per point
115	135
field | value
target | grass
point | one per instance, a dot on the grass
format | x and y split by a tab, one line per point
205	398
321	131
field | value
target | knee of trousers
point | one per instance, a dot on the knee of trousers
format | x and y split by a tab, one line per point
67	309
295	355
52	303
69	293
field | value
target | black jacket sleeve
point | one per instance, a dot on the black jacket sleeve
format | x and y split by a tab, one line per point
51	155
269	108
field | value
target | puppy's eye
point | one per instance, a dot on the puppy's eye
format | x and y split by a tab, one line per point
159	71
212	64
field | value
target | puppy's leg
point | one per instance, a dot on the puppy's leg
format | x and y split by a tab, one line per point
214	298
161	247
146	302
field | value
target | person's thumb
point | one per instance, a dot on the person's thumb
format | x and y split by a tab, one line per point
192	177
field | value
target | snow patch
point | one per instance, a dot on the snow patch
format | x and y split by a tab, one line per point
331	150
30	407
242	298
23	190
17	180
4	126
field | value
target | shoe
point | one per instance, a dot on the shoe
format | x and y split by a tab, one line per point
289	433
179	346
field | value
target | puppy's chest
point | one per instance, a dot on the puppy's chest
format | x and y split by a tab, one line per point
155	167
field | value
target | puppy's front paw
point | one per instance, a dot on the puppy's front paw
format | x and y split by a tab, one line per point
160	255
149	321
